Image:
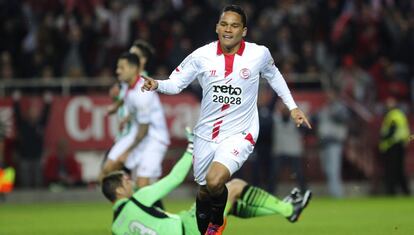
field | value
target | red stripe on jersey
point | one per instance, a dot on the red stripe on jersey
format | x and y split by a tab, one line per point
130	87
135	83
216	131
218	123
249	138
239	51
224	107
228	64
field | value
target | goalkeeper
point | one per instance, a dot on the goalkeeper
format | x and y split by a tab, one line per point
135	213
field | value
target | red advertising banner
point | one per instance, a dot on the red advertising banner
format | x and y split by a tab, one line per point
82	120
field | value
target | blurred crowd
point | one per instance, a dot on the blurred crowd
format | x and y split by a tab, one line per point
363	45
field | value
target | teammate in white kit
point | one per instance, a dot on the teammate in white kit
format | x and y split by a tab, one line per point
127	132
117	92
228	71
151	139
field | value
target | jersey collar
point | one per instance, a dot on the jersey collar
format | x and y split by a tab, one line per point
135	83
119	203
239	52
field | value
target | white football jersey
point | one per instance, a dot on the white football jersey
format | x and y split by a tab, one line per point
230	85
146	108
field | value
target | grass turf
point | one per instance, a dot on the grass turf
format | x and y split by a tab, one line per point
365	216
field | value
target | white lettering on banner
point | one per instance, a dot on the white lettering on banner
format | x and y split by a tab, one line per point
72	118
95	128
183	115
98	122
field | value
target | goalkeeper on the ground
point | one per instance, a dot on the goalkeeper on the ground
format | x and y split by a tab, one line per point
135	213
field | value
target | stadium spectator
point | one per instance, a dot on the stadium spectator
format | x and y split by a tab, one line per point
2	137
117	20
228	125
6	66
73	66
353	82
332	132
30	132
136	210
395	134
61	167
287	149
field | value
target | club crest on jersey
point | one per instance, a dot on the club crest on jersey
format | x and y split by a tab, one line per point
244	73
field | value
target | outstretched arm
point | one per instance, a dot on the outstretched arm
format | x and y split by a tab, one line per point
278	83
152	193
179	79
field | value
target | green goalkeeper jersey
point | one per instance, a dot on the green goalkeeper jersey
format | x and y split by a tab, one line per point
138	216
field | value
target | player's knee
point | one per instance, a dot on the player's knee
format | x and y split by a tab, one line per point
237	183
236	186
215	185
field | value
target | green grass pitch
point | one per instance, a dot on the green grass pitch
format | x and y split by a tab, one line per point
366	216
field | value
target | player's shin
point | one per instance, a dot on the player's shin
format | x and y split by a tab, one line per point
242	210
203	213
218	204
254	197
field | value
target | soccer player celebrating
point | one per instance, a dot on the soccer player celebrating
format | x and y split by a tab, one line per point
146	151
127	132
134	212
228	71
117	92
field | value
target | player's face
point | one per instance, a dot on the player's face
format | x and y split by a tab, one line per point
128	186
230	30
125	71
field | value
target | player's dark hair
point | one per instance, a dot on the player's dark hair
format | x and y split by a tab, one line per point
131	58
238	10
146	48
110	183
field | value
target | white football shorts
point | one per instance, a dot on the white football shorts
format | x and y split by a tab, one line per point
231	152
122	144
146	159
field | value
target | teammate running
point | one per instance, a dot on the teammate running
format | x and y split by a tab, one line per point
147	149
117	92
